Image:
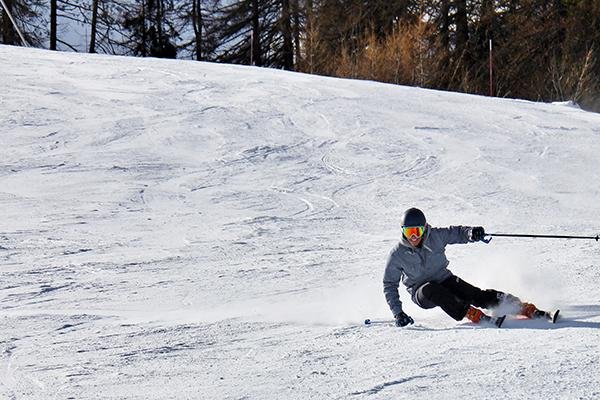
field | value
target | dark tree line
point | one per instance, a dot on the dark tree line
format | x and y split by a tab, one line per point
542	50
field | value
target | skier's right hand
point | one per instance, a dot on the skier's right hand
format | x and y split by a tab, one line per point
402	319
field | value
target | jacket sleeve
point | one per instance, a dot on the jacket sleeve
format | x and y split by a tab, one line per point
391	281
456	234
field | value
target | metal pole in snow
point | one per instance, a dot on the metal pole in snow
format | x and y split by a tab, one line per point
491	72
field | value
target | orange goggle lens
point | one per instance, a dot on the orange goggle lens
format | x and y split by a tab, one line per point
413	231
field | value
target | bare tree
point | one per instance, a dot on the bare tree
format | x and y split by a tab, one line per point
257	32
150	30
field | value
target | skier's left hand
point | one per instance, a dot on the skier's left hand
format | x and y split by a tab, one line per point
477	233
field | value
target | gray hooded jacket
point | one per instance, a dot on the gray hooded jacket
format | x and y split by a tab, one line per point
415	266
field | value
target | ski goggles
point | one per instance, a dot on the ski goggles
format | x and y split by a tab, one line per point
409	231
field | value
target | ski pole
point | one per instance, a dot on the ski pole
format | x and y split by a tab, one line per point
542	236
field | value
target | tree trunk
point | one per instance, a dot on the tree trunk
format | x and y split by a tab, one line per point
53	7
462	25
286	27
297	28
560	14
197	23
444	25
159	20
444	58
310	36
144	39
94	26
463	53
256	51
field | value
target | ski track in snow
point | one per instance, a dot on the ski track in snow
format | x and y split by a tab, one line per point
192	230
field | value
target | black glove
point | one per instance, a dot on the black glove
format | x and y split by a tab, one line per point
477	233
402	319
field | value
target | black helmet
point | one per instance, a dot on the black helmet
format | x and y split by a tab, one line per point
413	217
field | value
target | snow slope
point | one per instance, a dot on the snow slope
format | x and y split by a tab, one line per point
175	230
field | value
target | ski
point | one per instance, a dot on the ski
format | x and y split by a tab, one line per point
554	318
497	321
550	316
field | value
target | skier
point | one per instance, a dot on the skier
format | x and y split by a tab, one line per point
420	263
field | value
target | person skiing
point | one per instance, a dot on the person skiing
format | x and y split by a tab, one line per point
419	262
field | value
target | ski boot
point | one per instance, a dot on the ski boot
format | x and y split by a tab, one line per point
530	311
475	315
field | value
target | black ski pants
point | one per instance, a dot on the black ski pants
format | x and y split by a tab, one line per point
455	296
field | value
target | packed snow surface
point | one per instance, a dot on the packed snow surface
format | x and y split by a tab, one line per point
176	229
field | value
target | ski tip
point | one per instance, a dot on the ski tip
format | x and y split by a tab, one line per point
367	321
555	316
499	321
